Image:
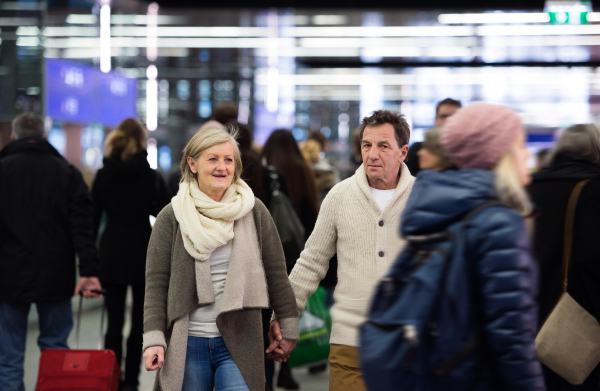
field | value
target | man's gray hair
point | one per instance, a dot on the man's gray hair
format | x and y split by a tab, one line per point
28	125
582	140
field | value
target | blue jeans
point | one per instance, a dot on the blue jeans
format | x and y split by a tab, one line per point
208	365
56	322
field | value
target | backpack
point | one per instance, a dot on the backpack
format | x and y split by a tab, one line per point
288	224
421	333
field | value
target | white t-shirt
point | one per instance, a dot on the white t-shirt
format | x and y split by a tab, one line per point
203	320
382	197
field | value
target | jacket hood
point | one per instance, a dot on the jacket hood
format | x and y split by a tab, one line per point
568	166
114	167
29	145
439	199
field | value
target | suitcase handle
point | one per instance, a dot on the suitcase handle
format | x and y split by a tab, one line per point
77	330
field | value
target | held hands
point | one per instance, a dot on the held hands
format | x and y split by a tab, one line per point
279	348
154	357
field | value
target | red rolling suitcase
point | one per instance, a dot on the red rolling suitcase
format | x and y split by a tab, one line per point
79	370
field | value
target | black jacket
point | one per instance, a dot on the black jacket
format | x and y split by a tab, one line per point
127	194
45	219
550	191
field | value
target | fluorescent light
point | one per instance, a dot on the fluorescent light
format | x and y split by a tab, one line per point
105	62
28	30
392	52
143	19
539	30
329	19
191	31
495	18
82	19
71	31
28	41
18	21
151	38
151	98
23	6
152	153
379	31
272	99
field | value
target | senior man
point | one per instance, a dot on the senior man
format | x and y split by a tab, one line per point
359	220
45	219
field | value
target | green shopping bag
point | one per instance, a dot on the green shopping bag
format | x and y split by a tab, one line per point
315	329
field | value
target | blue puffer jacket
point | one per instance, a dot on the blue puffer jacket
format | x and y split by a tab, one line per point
506	287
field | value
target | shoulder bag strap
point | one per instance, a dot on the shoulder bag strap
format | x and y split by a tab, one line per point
569	223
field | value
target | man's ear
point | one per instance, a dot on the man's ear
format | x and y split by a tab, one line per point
12	137
46	137
404	150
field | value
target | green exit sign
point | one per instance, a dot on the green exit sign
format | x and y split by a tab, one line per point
568	17
568	11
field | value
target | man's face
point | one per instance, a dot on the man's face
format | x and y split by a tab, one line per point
382	156
444	112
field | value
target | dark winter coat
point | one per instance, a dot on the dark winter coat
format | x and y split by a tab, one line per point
550	191
45	219
505	284
127	193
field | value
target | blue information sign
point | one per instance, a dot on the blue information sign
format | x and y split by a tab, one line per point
82	94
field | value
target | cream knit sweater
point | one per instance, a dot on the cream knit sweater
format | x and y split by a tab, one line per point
367	242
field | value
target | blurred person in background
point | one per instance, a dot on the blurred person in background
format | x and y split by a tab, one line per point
214	261
431	154
282	152
225	113
356	158
444	110
541	159
127	191
45	222
575	157
326	174
358	220
486	142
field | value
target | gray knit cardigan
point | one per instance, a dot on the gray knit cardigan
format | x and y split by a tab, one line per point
176	284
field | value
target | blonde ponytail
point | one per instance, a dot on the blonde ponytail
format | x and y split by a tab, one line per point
508	185
126	140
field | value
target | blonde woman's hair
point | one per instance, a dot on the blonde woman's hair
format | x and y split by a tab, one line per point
508	185
205	138
128	138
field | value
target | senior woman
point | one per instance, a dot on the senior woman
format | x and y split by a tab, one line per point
214	261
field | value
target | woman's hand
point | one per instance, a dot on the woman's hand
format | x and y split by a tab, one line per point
154	357
280	348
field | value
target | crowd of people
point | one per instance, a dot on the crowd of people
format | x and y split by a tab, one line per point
244	235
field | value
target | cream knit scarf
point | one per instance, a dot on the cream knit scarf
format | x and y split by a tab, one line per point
205	223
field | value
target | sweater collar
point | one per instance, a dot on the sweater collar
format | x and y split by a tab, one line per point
405	182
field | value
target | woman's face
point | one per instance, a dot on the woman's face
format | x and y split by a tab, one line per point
427	160
521	157
215	169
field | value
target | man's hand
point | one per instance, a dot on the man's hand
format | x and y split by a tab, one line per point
154	357
279	348
86	285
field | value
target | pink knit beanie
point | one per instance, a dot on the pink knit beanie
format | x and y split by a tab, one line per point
478	135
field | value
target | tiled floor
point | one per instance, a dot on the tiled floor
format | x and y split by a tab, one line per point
90	331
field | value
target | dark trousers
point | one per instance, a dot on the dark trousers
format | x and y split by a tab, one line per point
56	322
115	307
